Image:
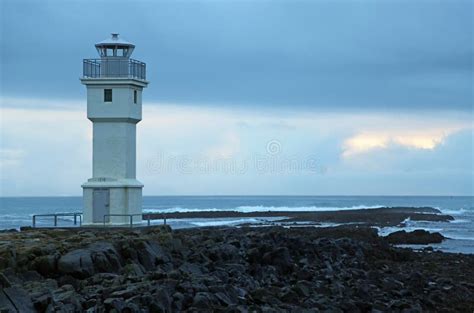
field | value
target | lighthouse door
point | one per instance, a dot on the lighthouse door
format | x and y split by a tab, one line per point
100	205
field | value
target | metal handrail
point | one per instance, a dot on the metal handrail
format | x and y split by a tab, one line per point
129	215
148	218
114	68
55	215
77	214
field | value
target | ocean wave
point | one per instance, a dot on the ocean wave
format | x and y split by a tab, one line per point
261	208
461	211
225	222
460	221
459	237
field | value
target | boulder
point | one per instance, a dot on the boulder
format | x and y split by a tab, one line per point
416	237
133	269
150	254
161	301
99	257
105	257
204	300
191	269
77	263
280	258
46	264
4	282
224	252
16	299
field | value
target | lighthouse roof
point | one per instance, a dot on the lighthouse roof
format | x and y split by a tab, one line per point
114	40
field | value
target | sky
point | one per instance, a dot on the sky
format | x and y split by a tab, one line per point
248	97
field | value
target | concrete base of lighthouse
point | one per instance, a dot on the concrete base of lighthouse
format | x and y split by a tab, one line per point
112	201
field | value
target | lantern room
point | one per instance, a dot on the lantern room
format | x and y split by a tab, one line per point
115	61
114	47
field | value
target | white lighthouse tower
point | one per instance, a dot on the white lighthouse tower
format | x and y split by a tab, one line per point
114	105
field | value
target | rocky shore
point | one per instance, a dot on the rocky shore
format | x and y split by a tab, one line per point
248	269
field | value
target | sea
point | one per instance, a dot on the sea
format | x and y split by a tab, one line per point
18	211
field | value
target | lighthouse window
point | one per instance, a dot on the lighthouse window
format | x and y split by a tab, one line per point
135	96
107	95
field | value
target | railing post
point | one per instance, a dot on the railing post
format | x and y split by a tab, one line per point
34	221
104	219
131	221
55	220
75	220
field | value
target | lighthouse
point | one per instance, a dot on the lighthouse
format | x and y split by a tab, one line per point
114	83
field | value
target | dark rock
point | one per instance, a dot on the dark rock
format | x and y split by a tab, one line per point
46	265
150	254
82	263
133	269
303	288
224	251
191	269
260	295
268	269
11	230
131	308
204	300
105	257
41	301
77	263
416	237
224	298
178	301
289	296
162	301
6	306
126	293
17	298
254	255
114	303
31	276
4	282
279	257
235	269
67	295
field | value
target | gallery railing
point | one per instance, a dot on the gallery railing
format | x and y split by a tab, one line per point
114	68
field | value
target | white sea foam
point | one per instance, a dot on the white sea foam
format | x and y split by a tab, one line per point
453	212
459	237
460	221
260	208
225	222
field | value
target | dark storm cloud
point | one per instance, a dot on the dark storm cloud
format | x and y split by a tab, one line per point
335	55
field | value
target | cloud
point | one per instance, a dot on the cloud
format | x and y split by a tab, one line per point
228	148
420	141
41	103
11	157
55	143
333	55
425	139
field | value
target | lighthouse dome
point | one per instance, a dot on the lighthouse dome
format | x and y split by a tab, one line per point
115	47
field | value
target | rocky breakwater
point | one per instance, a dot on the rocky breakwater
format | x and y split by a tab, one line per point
381	217
270	269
